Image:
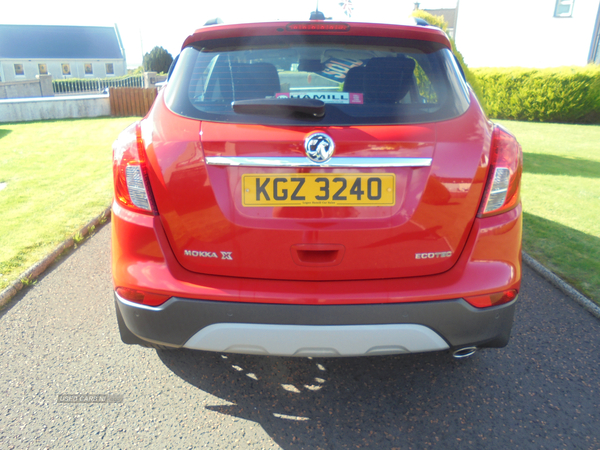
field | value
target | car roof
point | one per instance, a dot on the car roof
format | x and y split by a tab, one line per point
320	27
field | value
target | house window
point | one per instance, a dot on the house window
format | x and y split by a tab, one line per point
110	69
88	69
564	8
66	69
19	70
43	69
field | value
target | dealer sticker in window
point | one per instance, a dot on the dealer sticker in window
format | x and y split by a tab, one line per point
312	189
344	98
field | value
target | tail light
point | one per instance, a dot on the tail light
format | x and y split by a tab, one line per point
502	191
130	171
142	297
496	299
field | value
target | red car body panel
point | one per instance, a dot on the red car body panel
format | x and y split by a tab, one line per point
143	259
201	206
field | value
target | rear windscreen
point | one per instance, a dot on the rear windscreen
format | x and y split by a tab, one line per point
360	81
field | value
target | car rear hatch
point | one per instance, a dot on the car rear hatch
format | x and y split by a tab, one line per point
295	182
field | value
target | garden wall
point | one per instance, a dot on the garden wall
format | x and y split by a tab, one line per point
53	108
42	87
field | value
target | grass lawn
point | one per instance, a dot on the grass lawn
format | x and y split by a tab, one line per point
561	200
56	176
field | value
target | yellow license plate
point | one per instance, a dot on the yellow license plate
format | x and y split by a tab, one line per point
330	189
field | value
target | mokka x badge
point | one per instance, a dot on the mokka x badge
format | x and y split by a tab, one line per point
199	254
319	147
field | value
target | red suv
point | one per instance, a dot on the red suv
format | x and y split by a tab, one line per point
316	189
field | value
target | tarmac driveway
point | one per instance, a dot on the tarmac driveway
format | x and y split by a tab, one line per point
60	337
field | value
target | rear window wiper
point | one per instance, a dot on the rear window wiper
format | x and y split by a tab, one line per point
299	107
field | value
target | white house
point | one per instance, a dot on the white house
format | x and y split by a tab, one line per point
61	51
528	33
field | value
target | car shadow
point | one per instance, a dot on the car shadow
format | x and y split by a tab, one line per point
4	133
543	383
538	163
378	402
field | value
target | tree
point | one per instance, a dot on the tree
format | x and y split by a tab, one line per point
436	21
158	60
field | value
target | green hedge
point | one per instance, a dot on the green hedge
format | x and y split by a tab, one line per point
563	95
438	21
471	77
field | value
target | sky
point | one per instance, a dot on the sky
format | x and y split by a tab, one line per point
143	26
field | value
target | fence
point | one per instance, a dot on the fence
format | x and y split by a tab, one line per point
72	86
131	101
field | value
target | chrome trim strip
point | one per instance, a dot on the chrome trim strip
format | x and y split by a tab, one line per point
300	161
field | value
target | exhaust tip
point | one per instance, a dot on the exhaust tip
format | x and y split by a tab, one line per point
464	352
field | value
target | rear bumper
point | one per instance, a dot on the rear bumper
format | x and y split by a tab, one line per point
333	318
323	330
490	262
